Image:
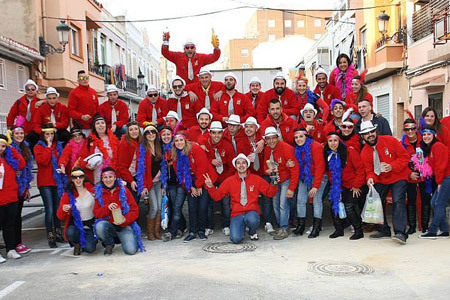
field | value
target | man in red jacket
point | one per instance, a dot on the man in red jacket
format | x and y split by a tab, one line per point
189	62
83	103
180	103
252	145
199	132
255	94
152	108
326	91
115	112
234	133
244	189
337	108
312	126
281	92
206	90
52	112
284	124
386	164
281	166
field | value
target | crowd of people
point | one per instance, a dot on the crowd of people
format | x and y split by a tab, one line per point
263	156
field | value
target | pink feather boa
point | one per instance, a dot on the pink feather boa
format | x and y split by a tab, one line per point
348	79
76	150
424	168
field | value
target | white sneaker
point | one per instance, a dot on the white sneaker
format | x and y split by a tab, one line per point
268	228
254	237
13	254
226	231
209	231
2	259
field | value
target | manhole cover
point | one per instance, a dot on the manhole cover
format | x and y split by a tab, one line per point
225	247
339	268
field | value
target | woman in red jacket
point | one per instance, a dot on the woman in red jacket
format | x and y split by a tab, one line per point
346	175
348	135
430	118
127	157
341	77
116	213
147	178
309	154
71	154
77	212
49	181
10	163
359	92
190	163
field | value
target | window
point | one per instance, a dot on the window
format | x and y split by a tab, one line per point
435	101
21	77
288	23
300	24
323	57
417	112
75	37
271	23
244	52
363	35
2	74
103	48
317	36
317	23
245	66
271	37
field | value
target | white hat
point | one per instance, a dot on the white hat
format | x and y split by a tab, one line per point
254	79
177	78
95	159
216	126
29	81
348	122
152	88
204	110
279	75
321	70
367	126
234	120
302	66
251	120
172	114
111	88
270	131
230	74
242	156
51	90
189	41
203	71
308	106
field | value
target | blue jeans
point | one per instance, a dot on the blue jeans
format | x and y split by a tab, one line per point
107	232
238	224
50	197
177	195
266	206
73	235
302	198
281	205
198	212
399	212
439	204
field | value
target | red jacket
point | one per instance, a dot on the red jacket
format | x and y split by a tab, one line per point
354	142
19	108
317	164
10	191
353	174
444	121
439	160
444	136
242	107
238	137
43	156
232	186
145	110
323	110
83	100
113	197
390	151
351	101
125	158
318	133
282	153
188	110
197	88
244	146
412	151
181	60
225	150
43	116
331	126
194	134
68	158
329	93
288	102
287	126
122	115
257	100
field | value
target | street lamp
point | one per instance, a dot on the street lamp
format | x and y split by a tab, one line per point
63	36
383	20
141	81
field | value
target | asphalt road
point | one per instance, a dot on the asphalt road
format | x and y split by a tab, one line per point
295	268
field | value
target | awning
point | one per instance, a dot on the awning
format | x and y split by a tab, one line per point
430	82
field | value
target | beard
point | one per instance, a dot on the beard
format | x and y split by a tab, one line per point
372	143
279	90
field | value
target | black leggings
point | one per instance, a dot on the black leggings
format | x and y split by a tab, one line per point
8	214
18	223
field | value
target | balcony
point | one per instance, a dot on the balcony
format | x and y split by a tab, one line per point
102	70
131	84
388	58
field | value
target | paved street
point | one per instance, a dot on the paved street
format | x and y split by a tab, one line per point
276	269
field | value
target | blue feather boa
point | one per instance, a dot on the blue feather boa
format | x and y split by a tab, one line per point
311	97
303	155
140	169
10	160
61	180
403	141
335	167
125	210
25	177
184	170
164	167
422	124
77	219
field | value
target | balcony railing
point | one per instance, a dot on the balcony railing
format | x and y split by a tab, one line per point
422	21
397	38
103	70
441	27
131	84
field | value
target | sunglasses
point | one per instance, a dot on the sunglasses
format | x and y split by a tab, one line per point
77	177
31	89
347	126
151	131
76	135
370	132
189	47
410	129
180	86
152	95
83	77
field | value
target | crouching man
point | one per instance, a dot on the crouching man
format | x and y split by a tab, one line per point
243	188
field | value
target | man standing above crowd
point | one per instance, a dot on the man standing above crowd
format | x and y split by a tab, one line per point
114	111
152	109
181	104
255	94
83	103
276	118
189	62
206	90
365	110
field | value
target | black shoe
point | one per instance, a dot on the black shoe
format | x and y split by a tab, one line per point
336	234
167	237
357	235
411	230
190	237
428	235
399	238
51	240
202	236
59	236
443	235
300	226
316	228
380	235
77	249
108	250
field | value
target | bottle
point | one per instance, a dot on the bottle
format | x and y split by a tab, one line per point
2	172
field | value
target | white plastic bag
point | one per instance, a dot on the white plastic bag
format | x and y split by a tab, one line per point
373	208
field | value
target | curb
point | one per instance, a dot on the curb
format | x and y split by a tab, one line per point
33	214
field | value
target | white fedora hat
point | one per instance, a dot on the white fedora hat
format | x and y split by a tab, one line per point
240	155
367	126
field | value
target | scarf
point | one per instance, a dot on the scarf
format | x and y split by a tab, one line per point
76	150
140	169
60	179
10	160
167	148
335	167
303	155
24	177
125	210
77	219
99	144
344	79
184	170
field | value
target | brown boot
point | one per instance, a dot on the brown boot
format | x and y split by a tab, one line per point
151	229
158	226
